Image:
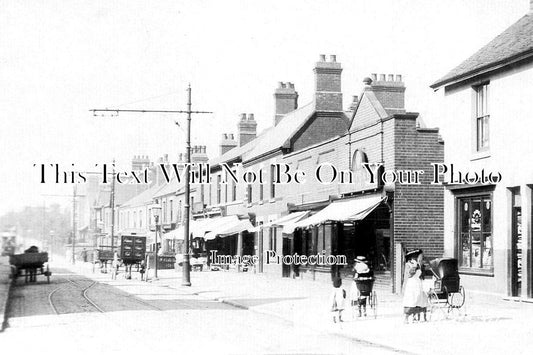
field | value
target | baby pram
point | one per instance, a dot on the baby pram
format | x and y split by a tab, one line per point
446	291
363	293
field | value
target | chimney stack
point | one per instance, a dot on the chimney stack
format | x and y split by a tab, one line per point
140	162
246	128
198	154
328	94
389	90
227	143
355	102
286	100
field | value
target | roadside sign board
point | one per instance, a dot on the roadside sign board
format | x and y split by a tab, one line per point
132	248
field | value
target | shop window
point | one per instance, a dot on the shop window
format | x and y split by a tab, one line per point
475	240
482	117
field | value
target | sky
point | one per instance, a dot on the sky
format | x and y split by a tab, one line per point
59	59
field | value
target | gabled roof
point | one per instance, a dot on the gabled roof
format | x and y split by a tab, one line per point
514	44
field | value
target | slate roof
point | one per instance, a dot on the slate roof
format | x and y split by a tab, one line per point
142	198
515	43
278	136
271	138
169	188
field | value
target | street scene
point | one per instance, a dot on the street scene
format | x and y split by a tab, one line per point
288	178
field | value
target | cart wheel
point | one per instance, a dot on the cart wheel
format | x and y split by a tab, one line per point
457	299
374	303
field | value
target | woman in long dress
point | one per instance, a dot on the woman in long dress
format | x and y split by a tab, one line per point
414	297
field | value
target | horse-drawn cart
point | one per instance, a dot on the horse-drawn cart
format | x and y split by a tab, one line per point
30	265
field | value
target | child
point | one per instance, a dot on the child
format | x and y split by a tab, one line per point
142	269
114	266
337	299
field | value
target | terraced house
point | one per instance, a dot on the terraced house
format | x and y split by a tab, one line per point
351	217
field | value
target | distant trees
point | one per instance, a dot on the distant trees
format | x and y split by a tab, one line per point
45	224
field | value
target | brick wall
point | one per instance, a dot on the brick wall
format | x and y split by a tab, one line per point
418	209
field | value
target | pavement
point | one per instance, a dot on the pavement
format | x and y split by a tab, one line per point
486	324
5	285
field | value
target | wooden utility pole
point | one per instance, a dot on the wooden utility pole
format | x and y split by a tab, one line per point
186	278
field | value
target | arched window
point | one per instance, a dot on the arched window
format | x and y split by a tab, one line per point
359	157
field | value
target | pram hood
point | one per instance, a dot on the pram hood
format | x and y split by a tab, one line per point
444	267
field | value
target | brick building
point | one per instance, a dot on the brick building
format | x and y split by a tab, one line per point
376	129
486	108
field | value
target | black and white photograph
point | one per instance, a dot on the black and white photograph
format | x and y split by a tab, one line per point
296	177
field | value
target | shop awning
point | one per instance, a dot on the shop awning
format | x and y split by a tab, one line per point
227	226
283	221
174	234
354	209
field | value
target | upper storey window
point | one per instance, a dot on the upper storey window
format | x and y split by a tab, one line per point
482	117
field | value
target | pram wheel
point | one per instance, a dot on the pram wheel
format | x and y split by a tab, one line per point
457	299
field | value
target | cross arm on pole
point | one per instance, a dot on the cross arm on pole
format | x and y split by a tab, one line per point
95	110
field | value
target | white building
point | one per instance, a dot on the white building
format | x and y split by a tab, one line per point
486	123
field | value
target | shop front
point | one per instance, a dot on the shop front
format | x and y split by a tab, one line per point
344	229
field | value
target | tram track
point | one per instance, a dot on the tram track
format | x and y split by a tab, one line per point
83	293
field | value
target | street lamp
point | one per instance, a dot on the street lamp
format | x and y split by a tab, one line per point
156	212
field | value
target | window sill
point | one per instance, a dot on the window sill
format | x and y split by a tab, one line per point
476	272
260	202
272	200
480	155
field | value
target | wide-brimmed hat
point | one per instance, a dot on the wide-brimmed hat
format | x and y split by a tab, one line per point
360	259
413	253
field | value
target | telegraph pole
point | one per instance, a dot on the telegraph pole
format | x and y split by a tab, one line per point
186	278
112	203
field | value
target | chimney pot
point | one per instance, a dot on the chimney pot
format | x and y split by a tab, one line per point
231	136
333	58
243	117
399	77
391	77
382	77
280	84
322	57
250	117
355	98
374	77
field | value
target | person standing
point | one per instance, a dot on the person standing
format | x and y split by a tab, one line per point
413	293
114	266
338	296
